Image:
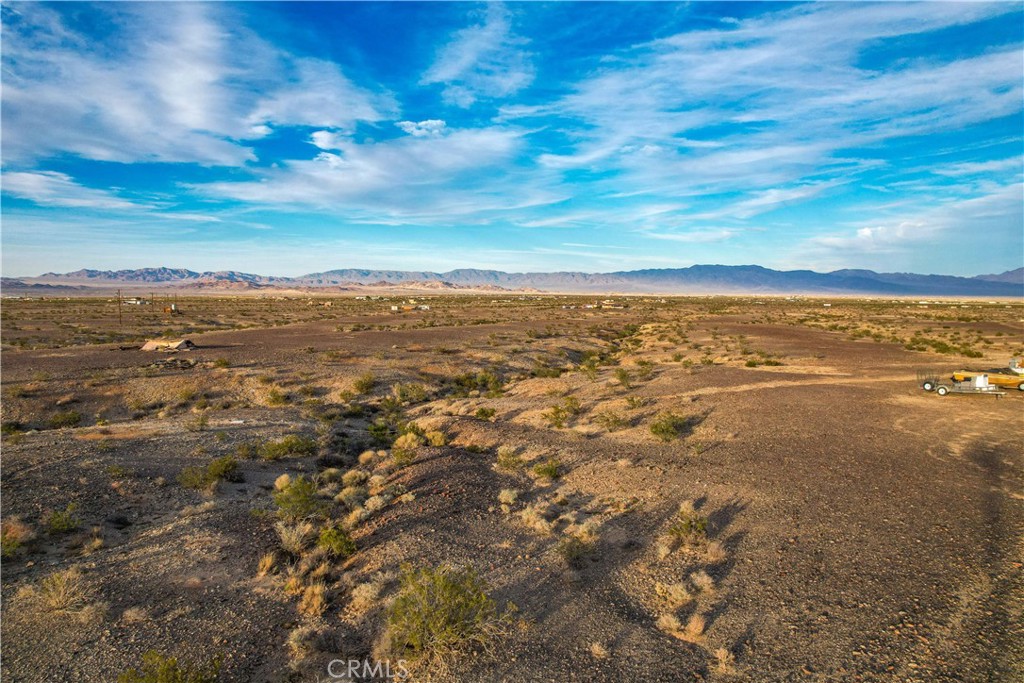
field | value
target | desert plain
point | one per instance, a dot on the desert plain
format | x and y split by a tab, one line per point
626	488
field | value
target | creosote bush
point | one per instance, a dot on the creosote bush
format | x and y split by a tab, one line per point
62	521
292	445
336	541
206	478
442	613
158	668
550	469
669	426
298	500
690	527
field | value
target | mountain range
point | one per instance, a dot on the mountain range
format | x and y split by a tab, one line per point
699	279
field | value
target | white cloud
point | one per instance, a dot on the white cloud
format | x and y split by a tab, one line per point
173	82
782	96
430	127
486	60
49	188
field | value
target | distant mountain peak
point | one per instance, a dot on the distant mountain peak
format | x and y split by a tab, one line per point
697	279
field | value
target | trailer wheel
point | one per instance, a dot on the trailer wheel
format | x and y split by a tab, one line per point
942	390
1021	386
928	385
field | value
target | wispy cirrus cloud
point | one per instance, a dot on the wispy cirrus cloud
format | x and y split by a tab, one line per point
49	188
179	82
486	60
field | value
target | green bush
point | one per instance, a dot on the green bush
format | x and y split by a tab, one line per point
298	500
68	418
62	521
689	527
572	551
550	469
275	397
157	668
611	421
442	613
291	445
484	413
669	426
206	478
336	541
365	383
624	377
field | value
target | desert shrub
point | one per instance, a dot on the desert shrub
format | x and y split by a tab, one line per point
355	477
62	591
157	668
206	478
62	521
644	369
14	533
404	448
573	551
365	383
298	500
352	496
611	421
669	426
542	370
484	413
555	417
442	613
314	600
14	427
291	445
67	418
634	402
508	459
222	363
486	382
336	541
549	469
276	397
380	432
409	393
690	527
624	378
295	538
436	439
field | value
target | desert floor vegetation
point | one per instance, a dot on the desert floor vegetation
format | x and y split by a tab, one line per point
643	482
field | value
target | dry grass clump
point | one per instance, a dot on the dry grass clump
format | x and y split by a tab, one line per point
725	661
365	595
715	552
135	615
703	581
586	531
355	478
436	439
367	458
440	614
14	534
352	496
508	498
692	632
377	483
303	642
282	482
538	517
61	591
675	594
295	538
375	503
267	564
330	475
599	651
314	600
508	459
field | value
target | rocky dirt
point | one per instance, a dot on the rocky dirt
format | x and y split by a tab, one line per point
866	530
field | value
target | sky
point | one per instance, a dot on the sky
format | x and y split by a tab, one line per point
291	138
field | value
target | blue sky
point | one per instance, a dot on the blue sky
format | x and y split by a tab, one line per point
288	138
